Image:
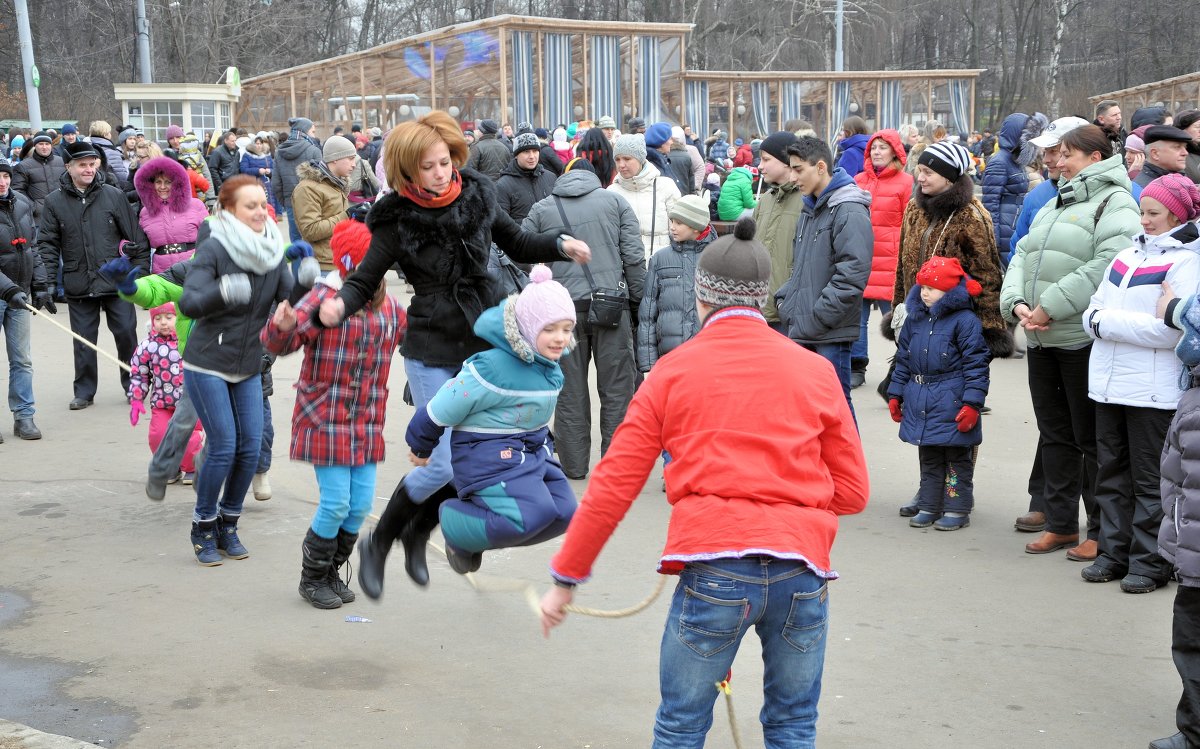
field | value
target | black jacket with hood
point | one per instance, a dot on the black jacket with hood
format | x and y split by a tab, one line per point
19	259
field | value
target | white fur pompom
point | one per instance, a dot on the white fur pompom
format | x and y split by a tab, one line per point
540	273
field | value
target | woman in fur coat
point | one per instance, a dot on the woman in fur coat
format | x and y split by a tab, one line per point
439	225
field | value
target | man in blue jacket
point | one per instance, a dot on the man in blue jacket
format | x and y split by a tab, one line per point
820	304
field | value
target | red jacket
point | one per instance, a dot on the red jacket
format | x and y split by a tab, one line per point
760	464
744	156
341	396
890	191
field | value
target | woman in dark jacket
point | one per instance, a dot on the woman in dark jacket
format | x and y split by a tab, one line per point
439	225
1005	181
237	273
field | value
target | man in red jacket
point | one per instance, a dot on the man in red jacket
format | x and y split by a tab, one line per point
762	468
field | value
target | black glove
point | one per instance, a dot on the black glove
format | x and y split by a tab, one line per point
44	300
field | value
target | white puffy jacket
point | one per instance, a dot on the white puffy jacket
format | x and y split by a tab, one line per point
1133	360
651	195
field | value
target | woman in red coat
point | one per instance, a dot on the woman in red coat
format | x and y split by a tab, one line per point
891	187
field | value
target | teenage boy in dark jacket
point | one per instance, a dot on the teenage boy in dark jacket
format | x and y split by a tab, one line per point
821	303
84	223
524	181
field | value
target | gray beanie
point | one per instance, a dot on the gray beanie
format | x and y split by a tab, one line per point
735	270
630	144
489	127
526	142
336	148
303	124
691	210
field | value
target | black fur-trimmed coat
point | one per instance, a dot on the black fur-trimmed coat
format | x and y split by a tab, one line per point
444	255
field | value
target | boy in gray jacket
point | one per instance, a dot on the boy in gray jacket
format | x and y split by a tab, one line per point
820	304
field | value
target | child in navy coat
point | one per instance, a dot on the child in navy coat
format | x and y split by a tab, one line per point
939	386
511	489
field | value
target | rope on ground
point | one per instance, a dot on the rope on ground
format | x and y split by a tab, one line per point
81	339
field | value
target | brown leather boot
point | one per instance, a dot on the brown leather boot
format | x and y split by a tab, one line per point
1049	542
1031	522
1084	552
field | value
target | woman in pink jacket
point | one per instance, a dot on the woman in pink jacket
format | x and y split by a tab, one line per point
170	215
891	187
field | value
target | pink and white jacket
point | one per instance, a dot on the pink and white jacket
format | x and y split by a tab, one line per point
158	367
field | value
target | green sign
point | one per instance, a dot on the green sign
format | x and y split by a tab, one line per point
35	76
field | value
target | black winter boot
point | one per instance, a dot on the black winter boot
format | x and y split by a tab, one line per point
415	536
345	547
374	546
318	556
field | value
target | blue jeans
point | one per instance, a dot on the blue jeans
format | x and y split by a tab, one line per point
231	413
715	604
858	350
268	438
838	355
15	323
347	493
424	382
293	230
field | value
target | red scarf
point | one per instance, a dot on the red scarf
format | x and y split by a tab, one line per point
427	199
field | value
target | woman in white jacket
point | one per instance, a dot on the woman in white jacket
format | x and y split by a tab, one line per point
649	192
1134	379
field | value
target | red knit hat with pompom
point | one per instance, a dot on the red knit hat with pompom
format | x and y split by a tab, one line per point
349	244
944	273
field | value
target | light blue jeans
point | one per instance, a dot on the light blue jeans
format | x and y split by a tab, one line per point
715	604
424	382
15	323
347	493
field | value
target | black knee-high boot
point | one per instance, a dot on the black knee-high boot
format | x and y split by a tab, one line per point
314	573
374	546
345	547
415	536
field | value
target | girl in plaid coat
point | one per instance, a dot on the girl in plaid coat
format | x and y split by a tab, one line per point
341	401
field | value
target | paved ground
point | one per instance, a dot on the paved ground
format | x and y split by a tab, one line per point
110	633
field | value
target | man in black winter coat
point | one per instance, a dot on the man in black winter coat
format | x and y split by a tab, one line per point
524	181
224	161
84	223
37	175
22	283
488	154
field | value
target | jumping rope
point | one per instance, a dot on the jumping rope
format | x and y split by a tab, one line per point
484	584
81	339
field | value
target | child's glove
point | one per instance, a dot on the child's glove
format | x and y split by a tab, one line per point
968	417
235	288
136	410
297	250
896	410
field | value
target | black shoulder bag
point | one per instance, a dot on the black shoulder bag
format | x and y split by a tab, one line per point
606	305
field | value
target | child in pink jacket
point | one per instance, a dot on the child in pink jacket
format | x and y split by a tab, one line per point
158	371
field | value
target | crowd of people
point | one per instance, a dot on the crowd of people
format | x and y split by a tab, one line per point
658	254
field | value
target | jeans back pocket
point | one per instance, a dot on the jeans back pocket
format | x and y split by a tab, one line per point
805	625
708	624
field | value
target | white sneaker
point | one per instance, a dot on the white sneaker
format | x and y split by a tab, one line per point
261	487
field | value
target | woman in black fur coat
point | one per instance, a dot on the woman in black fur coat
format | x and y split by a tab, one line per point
438	225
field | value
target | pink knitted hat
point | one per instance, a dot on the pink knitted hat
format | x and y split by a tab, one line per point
162	309
542	302
1175	191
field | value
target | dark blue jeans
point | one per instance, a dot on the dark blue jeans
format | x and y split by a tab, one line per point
715	605
232	414
838	355
858	350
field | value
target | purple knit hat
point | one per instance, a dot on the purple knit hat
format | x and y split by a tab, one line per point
1178	193
542	302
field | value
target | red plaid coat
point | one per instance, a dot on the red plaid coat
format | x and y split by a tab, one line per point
341	396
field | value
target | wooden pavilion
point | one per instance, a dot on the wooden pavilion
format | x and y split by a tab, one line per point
1176	94
553	71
